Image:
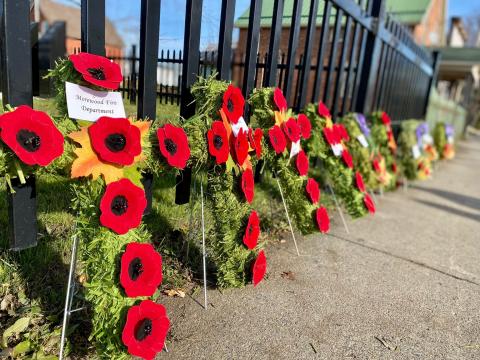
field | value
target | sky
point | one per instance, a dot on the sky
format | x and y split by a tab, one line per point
126	16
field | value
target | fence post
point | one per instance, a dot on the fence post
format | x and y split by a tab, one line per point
17	90
191	59
433	80
224	59
371	60
147	75
93	26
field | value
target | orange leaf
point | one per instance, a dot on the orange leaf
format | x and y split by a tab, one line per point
226	123
87	162
280	118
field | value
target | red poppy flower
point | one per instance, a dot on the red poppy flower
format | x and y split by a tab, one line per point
146	328
280	100
174	145
277	139
394	168
141	270
122	206
302	163
331	136
259	268
369	204
347	158
240	144
292	130
248	185
376	165
115	140
359	180
31	135
305	126
341	132
252	232
323	110
313	190
218	142
255	139
385	118
323	221
233	103
97	70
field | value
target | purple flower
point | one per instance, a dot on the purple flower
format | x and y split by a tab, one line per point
449	130
422	129
362	123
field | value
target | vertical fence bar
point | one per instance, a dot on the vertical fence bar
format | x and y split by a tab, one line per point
17	90
191	60
324	41
147	74
333	58
370	61
224	58
341	71
347	99
292	47
433	79
253	37
307	54
275	35
93	26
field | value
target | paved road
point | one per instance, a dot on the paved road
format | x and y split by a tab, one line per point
404	284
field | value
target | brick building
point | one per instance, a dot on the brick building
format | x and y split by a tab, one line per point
50	11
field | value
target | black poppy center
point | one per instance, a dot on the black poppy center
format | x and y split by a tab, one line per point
119	205
97	73
135	269
115	142
171	146
217	142
275	140
230	105
29	140
143	329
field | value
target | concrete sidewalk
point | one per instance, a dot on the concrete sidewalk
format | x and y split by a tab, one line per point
404	284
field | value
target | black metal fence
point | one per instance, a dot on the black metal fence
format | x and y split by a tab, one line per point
363	60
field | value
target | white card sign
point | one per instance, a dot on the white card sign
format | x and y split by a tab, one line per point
337	149
87	104
416	152
362	140
450	139
295	149
241	124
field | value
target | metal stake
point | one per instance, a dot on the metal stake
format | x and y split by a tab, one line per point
204	251
339	209
69	296
288	217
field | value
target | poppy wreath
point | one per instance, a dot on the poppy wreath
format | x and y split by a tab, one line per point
361	147
415	162
90	70
384	144
284	154
444	140
225	150
106	160
27	137
329	143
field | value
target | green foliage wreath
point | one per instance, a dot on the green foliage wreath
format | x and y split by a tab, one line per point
340	177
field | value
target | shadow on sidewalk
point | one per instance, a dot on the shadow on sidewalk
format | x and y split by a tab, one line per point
450	210
468	201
